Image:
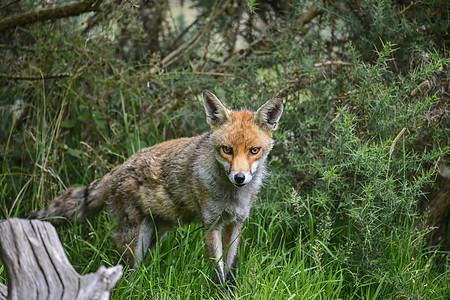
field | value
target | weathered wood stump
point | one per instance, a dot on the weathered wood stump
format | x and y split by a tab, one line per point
3	291
437	209
37	267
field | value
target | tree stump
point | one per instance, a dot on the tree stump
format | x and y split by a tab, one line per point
37	267
437	210
3	291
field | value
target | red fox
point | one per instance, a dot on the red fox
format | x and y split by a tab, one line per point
212	179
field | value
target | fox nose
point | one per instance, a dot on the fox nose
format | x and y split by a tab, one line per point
239	178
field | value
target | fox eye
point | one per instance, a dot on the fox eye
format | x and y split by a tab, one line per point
227	150
255	150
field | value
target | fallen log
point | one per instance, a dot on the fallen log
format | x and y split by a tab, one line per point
37	267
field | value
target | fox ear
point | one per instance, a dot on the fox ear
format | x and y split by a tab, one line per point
268	115
216	112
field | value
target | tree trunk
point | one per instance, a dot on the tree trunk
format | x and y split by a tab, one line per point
37	267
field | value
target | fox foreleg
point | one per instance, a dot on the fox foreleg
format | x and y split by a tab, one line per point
223	255
213	244
231	239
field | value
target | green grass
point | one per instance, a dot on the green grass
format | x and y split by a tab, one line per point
271	266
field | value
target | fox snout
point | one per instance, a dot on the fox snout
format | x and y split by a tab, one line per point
240	179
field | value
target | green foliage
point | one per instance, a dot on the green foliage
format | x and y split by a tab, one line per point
413	26
364	125
359	201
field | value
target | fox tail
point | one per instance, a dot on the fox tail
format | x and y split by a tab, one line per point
76	203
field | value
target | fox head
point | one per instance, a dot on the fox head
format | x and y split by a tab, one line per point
241	139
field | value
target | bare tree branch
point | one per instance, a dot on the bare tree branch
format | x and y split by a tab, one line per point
175	41
304	19
34	78
187	46
15	47
107	9
8	4
53	13
333	63
308	16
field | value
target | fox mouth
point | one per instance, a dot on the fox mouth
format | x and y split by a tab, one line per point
239	185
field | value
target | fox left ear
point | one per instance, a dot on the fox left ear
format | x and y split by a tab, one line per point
268	115
216	112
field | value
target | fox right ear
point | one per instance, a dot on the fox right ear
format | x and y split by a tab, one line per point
216	112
